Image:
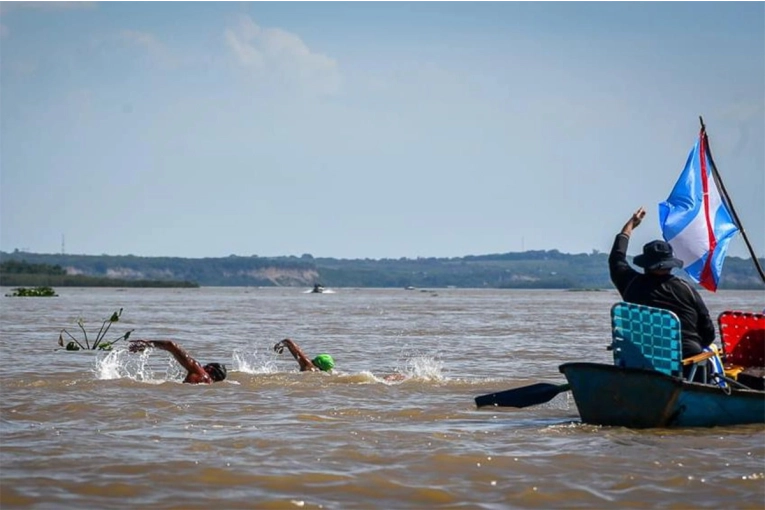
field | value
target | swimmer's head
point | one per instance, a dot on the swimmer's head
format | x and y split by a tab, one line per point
324	362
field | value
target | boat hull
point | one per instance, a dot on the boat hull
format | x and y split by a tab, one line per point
639	398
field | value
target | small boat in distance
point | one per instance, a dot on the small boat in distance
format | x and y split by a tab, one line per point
319	289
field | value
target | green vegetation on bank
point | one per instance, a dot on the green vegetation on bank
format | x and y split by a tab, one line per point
20	272
549	269
33	292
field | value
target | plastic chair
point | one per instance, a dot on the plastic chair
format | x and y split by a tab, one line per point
649	338
743	338
743	343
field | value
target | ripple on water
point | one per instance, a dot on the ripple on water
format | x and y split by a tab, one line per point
93	430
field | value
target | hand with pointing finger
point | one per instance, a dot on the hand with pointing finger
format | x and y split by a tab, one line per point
634	221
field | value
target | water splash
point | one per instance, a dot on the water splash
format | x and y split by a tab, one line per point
253	362
121	364
420	367
424	367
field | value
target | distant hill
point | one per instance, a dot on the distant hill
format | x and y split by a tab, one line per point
522	270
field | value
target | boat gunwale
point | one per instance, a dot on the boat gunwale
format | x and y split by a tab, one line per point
677	381
669	396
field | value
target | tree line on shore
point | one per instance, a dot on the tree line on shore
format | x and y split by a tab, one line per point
546	269
16	273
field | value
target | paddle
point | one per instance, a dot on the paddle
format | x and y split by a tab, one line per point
522	397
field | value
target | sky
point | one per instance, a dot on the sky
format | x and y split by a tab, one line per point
369	130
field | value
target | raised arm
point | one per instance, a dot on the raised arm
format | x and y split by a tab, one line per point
196	374
305	363
633	222
619	269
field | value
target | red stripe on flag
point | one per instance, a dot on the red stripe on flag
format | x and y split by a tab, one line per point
707	279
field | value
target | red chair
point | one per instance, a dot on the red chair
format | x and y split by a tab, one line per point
743	342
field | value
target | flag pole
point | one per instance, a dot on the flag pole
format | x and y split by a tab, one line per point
727	200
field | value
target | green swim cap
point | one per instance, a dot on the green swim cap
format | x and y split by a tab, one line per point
324	362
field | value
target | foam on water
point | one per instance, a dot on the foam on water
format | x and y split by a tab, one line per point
122	364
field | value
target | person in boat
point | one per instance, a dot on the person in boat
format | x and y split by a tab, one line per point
322	362
196	372
657	287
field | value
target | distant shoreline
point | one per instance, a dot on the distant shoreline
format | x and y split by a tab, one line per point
44	280
548	269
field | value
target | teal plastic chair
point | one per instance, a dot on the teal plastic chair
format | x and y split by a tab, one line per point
649	338
646	337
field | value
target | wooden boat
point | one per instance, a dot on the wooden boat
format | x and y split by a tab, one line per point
645	387
643	398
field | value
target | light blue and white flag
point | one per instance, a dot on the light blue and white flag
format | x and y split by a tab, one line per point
695	219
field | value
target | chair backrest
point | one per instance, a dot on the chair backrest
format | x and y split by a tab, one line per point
742	335
646	337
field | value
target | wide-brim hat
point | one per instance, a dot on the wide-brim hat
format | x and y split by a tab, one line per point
657	255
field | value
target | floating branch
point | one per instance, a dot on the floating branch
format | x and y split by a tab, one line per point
100	343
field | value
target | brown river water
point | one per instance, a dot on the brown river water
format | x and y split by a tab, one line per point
119	430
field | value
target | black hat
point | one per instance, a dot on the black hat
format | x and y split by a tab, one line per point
657	255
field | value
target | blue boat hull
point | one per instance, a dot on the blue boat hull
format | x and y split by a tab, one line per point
639	398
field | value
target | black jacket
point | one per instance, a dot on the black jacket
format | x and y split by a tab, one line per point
663	291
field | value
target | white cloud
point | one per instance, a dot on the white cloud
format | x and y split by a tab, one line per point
46	6
282	55
156	51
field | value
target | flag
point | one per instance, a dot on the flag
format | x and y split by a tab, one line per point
695	219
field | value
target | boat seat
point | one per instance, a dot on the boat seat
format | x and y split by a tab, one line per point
742	335
743	338
649	338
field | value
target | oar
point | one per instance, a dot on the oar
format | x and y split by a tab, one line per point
522	397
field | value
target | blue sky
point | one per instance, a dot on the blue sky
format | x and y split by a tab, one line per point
368	130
